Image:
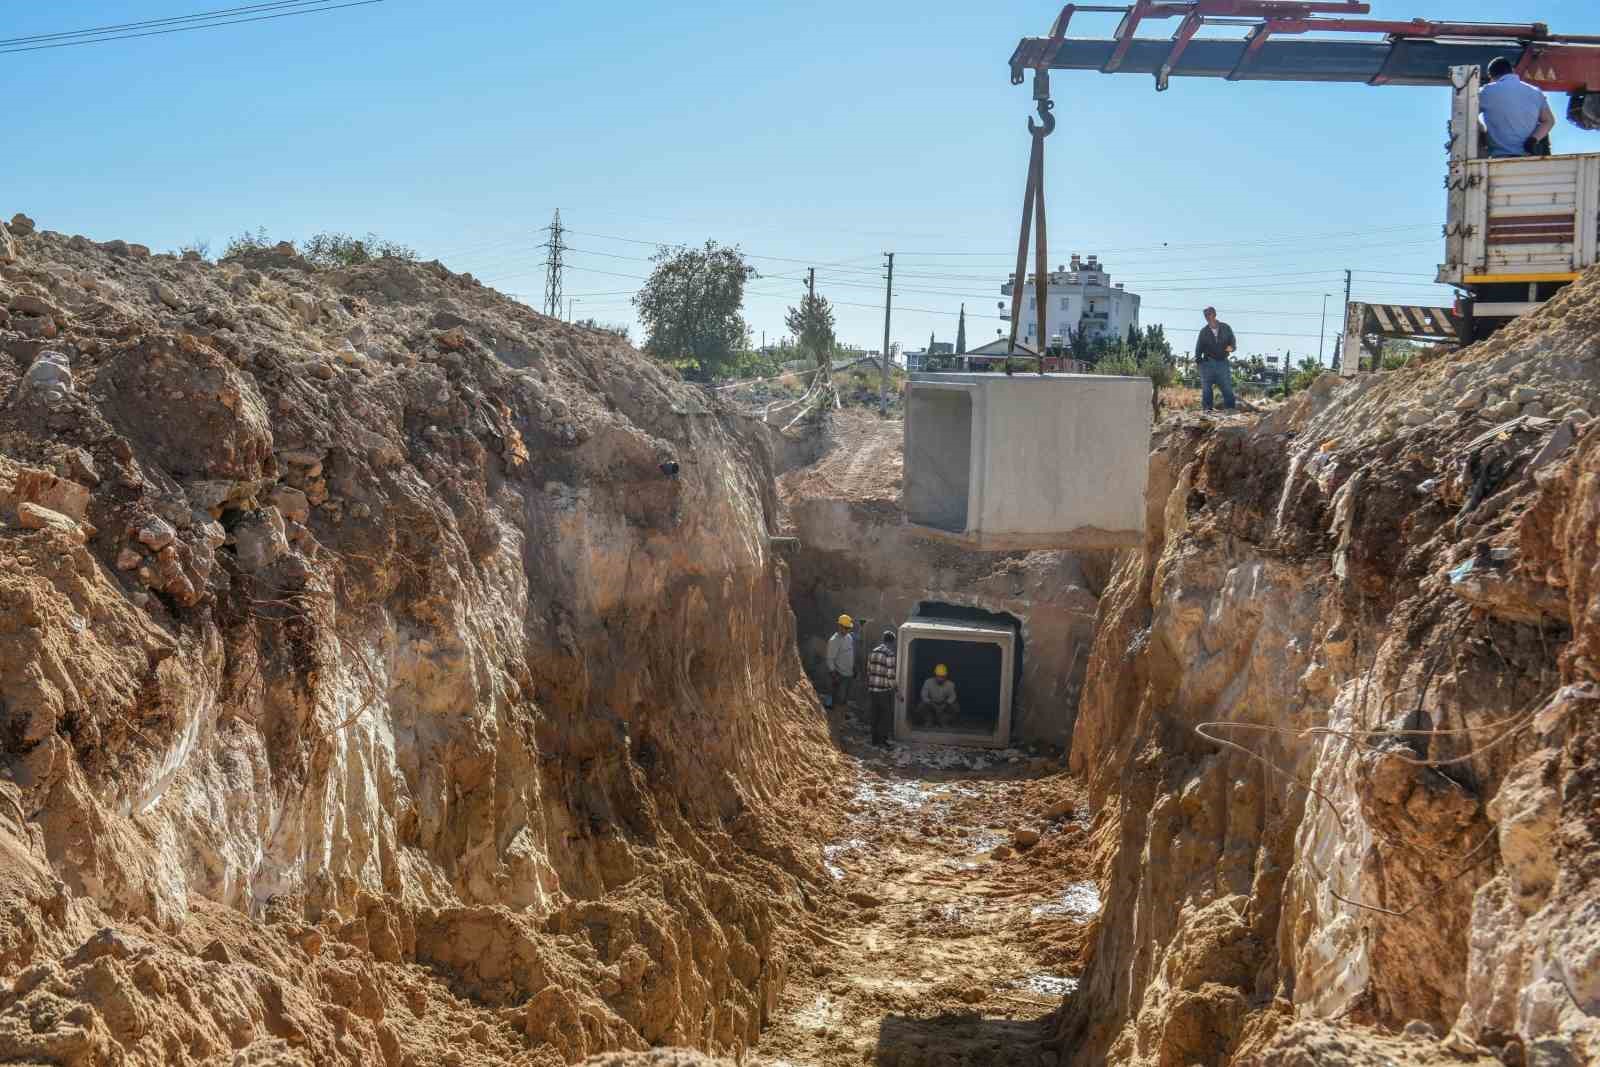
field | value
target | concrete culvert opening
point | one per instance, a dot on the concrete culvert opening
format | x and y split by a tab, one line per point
982	651
939	483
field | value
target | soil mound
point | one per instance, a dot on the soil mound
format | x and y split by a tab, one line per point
366	674
1339	731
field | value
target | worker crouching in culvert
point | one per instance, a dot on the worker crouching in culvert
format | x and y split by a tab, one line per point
939	706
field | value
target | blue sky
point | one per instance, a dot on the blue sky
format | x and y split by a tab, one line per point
824	133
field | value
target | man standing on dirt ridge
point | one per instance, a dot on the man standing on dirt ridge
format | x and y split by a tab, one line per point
1211	354
880	688
841	664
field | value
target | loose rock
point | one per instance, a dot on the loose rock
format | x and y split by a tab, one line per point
27	304
291	502
33	517
48	378
53	492
157	534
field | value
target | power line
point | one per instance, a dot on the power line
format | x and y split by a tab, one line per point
1279	239
178	24
858	277
1268	242
147	23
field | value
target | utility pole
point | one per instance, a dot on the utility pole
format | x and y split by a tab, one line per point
1338	342
1323	336
556	248
888	306
811	282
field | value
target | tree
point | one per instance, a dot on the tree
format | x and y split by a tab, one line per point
961	333
1080	344
812	325
691	306
1152	343
1310	370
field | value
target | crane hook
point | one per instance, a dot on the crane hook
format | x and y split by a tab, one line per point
1041	98
1048	125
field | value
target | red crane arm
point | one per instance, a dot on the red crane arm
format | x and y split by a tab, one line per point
1411	52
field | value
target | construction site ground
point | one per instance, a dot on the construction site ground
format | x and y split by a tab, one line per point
957	930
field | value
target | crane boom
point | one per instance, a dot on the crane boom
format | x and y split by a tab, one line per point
1275	46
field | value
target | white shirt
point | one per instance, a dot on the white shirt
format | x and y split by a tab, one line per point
842	654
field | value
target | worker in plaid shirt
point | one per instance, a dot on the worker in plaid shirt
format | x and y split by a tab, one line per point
880	688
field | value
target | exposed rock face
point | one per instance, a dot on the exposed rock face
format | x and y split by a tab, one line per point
373	703
1340	726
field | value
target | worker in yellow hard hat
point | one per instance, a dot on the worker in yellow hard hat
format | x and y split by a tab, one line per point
939	706
841	664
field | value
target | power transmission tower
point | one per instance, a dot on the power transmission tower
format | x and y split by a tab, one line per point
556	247
888	305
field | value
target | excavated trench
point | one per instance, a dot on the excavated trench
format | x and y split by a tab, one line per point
393	675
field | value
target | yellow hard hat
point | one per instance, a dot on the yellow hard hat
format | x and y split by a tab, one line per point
941	671
846	621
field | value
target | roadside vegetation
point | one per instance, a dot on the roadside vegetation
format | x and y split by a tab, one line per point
325	251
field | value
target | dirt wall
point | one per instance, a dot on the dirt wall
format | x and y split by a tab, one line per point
1337	720
367	695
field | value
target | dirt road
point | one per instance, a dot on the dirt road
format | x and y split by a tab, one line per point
863	464
951	945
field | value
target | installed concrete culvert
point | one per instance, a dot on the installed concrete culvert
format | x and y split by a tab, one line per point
857	556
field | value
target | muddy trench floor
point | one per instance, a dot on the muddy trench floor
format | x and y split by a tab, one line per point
947	944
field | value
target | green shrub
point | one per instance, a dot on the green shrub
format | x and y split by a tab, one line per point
332	249
247	242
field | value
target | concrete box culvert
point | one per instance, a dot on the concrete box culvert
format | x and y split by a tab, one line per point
981	658
1028	461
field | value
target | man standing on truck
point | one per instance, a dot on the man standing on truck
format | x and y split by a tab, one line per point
1211	354
1516	116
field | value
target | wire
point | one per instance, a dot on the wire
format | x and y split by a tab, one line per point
147	23
1164	248
1280	239
206	20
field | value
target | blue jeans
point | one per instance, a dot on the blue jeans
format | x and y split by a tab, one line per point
1215	372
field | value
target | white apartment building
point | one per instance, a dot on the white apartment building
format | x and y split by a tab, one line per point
1082	296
